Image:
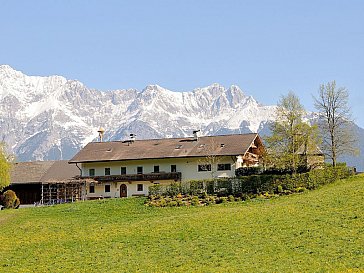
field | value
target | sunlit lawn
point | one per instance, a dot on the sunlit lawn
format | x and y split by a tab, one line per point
316	231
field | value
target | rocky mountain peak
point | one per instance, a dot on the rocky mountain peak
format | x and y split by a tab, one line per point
7	69
52	117
49	118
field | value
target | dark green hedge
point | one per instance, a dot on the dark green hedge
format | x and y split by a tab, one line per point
255	184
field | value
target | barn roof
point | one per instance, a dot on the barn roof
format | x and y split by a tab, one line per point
42	172
225	145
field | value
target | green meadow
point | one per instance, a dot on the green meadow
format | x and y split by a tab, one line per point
316	231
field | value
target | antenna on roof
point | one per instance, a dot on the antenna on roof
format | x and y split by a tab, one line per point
101	132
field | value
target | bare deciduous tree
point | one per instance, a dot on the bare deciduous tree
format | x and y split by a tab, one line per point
335	121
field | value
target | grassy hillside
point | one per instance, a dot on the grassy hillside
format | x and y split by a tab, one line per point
316	231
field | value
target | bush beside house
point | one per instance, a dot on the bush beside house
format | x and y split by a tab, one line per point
221	190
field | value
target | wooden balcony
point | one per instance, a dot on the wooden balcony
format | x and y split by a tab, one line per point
250	157
176	176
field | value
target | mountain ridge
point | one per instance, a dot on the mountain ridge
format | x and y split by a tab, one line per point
51	118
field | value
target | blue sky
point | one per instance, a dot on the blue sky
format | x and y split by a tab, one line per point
265	47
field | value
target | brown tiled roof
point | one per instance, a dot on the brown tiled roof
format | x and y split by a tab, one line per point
60	171
227	145
42	172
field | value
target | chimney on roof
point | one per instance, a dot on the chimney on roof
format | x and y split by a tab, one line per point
196	134
101	132
132	137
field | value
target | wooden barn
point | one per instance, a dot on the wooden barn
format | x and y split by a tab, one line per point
46	182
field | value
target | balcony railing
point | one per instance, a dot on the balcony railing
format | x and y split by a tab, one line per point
251	157
176	176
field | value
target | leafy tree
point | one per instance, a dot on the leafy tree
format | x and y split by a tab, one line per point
335	121
310	146
5	166
290	134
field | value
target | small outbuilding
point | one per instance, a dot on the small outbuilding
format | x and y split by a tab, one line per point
312	158
46	182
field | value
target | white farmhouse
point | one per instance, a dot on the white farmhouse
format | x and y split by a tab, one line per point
128	168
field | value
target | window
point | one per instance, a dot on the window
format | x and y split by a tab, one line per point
139	170
224	167
92	188
107	188
91	172
123	170
107	171
204	168
156	169
173	168
139	187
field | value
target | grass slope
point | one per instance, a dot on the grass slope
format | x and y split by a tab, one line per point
316	231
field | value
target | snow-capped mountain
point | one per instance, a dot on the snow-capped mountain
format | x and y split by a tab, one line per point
44	118
48	118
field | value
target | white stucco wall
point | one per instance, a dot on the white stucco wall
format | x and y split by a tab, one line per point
187	166
115	189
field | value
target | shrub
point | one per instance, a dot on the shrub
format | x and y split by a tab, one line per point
223	199
300	189
155	190
209	200
248	171
245	187
195	201
162	203
204	195
10	200
210	186
245	197
180	203
231	198
172	204
206	202
196	187
224	187
173	189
